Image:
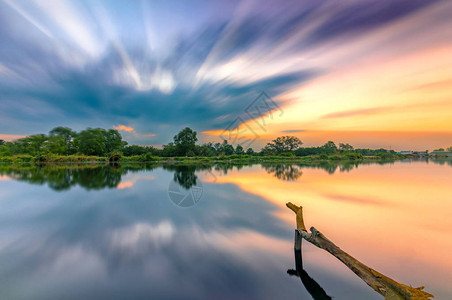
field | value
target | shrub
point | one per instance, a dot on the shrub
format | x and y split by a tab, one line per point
323	156
5	159
115	157
288	154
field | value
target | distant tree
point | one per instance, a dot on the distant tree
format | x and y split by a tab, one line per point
440	149
226	148
217	147
91	142
185	141
239	150
2	142
56	145
113	140
250	151
204	150
134	150
345	147
169	150
35	143
449	149
283	144
68	136
329	148
5	150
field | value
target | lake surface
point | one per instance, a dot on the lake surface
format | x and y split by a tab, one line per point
169	232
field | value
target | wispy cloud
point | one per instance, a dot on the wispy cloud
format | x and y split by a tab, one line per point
124	128
357	112
293	131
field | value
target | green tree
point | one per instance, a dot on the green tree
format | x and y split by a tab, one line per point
56	145
2	142
169	150
35	143
329	148
113	140
250	151
68	136
283	144
239	150
204	151
449	149
226	149
91	142
185	141
345	147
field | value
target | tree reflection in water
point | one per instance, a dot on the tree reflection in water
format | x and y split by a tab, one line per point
316	291
284	172
61	177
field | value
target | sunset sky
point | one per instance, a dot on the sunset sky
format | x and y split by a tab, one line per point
370	73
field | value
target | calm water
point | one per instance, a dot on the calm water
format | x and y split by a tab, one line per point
183	232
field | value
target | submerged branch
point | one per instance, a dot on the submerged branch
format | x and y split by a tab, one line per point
382	284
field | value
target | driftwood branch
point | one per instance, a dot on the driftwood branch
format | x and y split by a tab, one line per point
382	284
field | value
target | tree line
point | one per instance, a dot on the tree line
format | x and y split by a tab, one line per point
65	141
103	142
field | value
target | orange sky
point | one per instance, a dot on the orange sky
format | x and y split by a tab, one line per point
391	88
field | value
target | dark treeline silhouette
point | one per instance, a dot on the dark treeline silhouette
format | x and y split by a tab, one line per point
109	143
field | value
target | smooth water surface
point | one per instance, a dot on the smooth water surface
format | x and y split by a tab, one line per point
169	232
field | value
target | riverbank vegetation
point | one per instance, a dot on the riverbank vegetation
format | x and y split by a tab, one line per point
63	145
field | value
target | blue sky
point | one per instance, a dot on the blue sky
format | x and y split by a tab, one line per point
157	66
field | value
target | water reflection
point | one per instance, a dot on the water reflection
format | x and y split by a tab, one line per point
314	289
94	241
95	177
284	171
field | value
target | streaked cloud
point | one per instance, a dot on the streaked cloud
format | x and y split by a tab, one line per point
351	113
293	131
332	66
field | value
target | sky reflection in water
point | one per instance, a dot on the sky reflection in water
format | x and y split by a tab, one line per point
87	232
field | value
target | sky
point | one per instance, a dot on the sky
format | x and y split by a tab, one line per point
370	73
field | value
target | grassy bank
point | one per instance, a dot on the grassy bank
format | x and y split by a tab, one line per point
117	158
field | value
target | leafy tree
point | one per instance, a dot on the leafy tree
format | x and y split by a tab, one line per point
449	149
185	141
250	151
239	150
5	150
56	145
226	148
283	144
329	148
34	143
169	150
345	147
2	142
113	140
91	142
204	150
134	150
217	147
68	136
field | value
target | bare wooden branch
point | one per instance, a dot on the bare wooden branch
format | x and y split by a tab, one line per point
382	284
298	210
